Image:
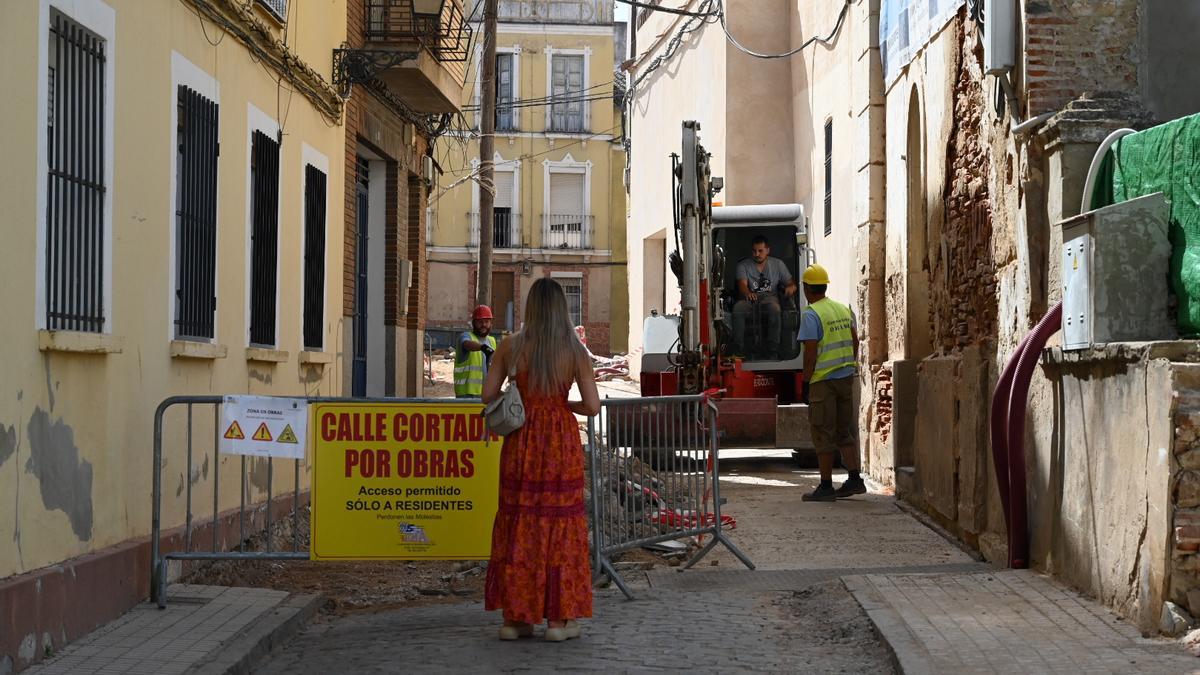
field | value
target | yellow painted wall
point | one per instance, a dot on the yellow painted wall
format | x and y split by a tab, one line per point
75	428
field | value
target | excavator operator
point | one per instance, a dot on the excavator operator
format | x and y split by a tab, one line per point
759	280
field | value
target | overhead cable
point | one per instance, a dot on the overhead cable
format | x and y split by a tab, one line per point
823	40
666	10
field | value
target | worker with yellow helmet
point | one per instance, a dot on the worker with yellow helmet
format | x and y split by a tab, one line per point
829	332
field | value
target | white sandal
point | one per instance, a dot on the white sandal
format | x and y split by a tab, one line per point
570	630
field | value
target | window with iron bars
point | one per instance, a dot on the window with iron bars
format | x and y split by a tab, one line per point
75	190
195	216
828	178
567	109
264	237
314	257
573	289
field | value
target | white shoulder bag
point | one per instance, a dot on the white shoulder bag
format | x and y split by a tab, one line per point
506	414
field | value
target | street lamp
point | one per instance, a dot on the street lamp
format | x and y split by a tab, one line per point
428	8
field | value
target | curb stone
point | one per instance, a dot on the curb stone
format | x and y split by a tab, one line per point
240	654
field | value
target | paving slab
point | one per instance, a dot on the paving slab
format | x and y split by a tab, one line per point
1005	621
204	629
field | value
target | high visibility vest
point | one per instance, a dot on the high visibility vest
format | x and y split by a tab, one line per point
469	372
836	348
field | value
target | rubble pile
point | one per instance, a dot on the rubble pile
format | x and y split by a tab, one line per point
635	497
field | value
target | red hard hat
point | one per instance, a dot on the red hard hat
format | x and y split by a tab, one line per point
481	312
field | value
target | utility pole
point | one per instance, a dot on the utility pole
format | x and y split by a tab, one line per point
487	144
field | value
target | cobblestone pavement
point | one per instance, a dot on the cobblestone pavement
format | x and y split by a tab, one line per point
1006	621
719	631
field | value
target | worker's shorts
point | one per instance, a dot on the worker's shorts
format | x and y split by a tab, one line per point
831	414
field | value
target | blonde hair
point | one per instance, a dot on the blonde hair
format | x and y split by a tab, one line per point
547	347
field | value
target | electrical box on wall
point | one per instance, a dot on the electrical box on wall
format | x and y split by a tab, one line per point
1000	37
1114	271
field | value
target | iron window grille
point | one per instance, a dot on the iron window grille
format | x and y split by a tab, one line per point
276	8
76	192
573	289
264	237
196	216
314	257
828	178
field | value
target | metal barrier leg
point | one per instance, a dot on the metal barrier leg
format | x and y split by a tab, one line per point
612	573
162	583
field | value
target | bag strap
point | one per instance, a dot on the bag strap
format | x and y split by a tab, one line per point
512	366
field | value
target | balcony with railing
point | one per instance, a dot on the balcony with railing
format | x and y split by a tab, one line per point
506	229
569	231
418	49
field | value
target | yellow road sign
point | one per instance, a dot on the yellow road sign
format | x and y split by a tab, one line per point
403	481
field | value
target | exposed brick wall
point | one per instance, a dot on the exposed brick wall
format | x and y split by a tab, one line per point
418	293
882	422
963	279
350	238
393	244
1076	47
1185	554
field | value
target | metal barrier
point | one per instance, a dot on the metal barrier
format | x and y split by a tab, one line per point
654	476
221	521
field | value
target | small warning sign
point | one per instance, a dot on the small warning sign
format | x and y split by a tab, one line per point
263	433
288	417
287	435
234	432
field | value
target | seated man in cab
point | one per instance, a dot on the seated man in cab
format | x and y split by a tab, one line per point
760	280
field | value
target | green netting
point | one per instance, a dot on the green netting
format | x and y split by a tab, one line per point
1164	159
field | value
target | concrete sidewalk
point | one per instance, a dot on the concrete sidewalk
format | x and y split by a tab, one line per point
1005	621
204	629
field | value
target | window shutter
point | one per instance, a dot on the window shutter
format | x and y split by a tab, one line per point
566	194
504	189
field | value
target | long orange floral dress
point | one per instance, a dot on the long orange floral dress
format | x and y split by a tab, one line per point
539	568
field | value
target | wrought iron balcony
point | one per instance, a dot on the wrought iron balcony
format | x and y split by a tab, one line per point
569	231
393	22
420	58
506	229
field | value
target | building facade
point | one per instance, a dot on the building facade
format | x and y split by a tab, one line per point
169	205
941	171
403	76
774	130
559	165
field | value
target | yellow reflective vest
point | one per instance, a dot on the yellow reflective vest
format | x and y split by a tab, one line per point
835	349
469	372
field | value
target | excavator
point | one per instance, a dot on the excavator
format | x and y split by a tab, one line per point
758	383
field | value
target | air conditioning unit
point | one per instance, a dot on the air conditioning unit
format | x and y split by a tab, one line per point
1000	37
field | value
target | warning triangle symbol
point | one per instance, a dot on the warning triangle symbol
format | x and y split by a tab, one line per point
263	433
287	435
234	432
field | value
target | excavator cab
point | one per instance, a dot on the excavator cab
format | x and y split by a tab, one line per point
768	342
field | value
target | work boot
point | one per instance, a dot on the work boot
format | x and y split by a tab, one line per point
823	493
854	485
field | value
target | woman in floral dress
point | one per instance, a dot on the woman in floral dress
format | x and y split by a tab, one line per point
540	567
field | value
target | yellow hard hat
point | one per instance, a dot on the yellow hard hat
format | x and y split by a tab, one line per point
816	275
